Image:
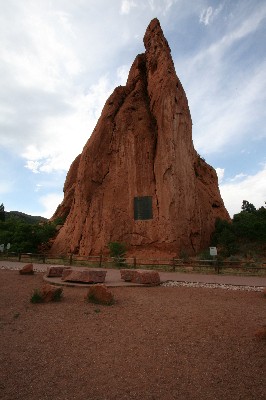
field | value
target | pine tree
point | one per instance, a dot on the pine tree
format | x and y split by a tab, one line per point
2	213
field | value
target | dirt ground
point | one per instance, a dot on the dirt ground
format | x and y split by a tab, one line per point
153	343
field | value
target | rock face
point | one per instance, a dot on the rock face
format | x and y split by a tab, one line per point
139	179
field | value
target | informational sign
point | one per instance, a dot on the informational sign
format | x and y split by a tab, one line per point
143	208
2	247
8	246
213	251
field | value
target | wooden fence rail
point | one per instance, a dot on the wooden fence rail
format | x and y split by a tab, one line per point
174	264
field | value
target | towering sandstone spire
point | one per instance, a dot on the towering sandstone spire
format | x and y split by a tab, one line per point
139	179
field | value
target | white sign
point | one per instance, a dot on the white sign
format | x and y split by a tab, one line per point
213	251
2	246
8	246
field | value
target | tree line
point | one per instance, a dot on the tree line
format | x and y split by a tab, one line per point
246	231
25	234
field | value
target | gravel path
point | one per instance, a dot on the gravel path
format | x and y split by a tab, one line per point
160	343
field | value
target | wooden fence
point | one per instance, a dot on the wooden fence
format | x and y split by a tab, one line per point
172	265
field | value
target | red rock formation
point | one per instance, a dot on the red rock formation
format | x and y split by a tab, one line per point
141	147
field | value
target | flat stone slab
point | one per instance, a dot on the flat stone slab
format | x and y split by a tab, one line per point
85	275
56	271
127	274
144	277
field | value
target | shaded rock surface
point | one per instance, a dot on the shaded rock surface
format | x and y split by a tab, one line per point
141	147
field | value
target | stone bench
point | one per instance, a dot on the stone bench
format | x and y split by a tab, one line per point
56	271
145	277
84	275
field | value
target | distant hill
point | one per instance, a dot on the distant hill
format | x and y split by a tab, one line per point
29	219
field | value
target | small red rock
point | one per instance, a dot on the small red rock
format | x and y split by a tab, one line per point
100	294
51	293
27	270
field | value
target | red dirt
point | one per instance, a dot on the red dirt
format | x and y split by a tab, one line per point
153	343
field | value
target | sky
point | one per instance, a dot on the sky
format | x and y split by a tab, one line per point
61	59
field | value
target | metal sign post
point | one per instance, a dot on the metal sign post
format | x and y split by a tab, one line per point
213	253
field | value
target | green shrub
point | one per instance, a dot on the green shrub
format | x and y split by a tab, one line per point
36	297
57	295
204	255
118	252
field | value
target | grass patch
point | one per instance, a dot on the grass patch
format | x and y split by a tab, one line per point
36	297
57	295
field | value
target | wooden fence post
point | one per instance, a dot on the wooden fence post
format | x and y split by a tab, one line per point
135	263
100	261
70	259
173	264
218	266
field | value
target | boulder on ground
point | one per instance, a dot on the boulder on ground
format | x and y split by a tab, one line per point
51	293
27	270
99	294
84	275
56	271
145	277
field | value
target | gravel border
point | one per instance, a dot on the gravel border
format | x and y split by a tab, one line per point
213	286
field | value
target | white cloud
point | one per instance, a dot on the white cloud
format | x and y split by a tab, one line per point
220	174
208	15
161	6
238	177
251	188
5	186
122	74
222	93
50	203
62	137
33	166
126	6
